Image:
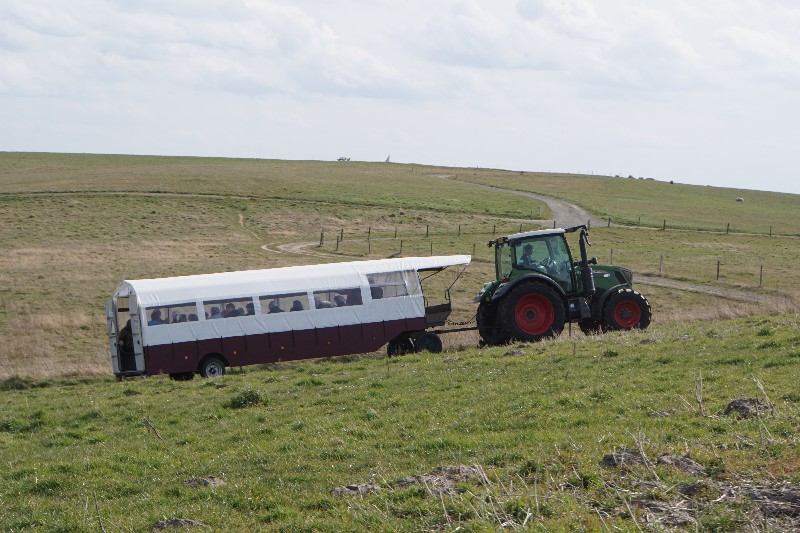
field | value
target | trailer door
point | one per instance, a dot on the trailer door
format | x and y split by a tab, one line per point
111	324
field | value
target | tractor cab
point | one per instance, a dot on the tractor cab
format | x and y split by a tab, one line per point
539	286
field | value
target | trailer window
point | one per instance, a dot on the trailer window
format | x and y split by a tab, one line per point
171	314
392	284
330	298
228	308
278	303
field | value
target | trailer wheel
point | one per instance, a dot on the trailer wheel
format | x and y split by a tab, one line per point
533	311
626	309
182	376
486	317
400	345
428	342
212	367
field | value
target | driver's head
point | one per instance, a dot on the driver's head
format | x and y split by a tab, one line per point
527	248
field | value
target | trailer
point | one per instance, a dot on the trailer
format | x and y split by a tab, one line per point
205	323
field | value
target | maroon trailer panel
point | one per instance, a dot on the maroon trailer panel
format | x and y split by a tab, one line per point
234	349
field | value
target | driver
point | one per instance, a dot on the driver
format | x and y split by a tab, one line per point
527	258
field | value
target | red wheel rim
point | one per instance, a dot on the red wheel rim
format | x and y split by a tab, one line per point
534	314
627	314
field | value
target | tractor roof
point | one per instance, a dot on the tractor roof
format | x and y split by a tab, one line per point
538	233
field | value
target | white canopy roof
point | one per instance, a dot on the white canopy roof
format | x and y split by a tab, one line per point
165	291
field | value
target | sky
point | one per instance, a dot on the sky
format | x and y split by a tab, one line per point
696	92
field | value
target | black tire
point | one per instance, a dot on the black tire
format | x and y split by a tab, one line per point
488	329
532	312
212	367
428	342
400	345
182	376
626	309
589	326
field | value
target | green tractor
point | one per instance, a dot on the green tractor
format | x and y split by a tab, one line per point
540	287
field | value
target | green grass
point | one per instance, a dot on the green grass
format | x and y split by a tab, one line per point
649	203
284	436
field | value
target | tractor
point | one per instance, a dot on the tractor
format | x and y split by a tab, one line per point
539	287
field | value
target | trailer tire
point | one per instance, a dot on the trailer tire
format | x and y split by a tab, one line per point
428	342
532	312
626	309
182	376
212	367
400	345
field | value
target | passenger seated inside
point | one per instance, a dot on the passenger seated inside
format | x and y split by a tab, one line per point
230	310
193	318
376	292
215	313
319	303
175	318
297	305
183	318
339	300
251	309
155	318
274	307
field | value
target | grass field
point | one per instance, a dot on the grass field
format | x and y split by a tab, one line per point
650	203
75	449
537	420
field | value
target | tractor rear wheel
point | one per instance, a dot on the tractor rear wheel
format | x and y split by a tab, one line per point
626	309
533	311
488	329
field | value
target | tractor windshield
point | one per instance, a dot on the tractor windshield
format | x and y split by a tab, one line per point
547	255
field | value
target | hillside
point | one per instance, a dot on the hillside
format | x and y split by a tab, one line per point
622	431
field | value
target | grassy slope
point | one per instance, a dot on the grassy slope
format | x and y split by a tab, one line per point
548	416
538	424
634	201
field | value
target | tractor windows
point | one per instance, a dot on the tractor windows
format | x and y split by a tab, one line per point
503	261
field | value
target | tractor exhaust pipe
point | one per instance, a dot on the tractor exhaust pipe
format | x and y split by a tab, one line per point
586	270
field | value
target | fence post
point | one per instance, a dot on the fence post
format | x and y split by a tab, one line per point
322	238
609	222
640	221
459	230
717	268
431	247
494	229
337	244
520	228
770	231
369	246
369	232
554	224
761	277
661	265
427	229
401	247
728	229
611	260
395	232
473	249
664	227
341	234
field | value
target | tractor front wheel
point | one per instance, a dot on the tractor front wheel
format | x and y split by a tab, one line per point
626	309
488	329
533	311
